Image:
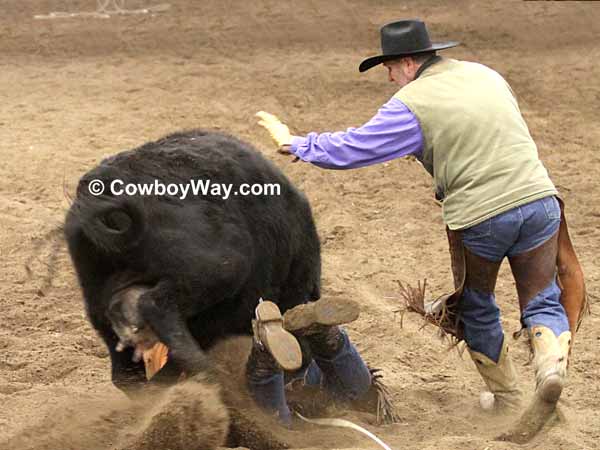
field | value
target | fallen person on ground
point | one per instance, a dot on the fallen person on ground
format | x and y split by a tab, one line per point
329	361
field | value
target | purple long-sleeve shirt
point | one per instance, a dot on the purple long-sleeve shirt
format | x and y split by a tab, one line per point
392	133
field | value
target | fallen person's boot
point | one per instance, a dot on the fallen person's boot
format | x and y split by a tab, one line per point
345	374
338	367
310	318
342	372
550	357
500	378
269	331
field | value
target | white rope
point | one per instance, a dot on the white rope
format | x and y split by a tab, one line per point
102	5
345	424
103	11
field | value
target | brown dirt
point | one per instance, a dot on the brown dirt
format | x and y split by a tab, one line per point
75	90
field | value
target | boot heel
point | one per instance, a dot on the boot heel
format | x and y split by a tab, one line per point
551	388
550	360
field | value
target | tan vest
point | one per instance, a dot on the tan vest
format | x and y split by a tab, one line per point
477	146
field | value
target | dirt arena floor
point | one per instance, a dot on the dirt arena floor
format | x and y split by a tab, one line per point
74	90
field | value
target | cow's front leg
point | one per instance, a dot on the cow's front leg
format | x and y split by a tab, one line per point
159	310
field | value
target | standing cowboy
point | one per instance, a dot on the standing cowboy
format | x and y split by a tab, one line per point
462	122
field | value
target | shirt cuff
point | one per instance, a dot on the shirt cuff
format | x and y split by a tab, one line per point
296	143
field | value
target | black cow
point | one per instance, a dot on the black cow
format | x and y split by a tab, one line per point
202	261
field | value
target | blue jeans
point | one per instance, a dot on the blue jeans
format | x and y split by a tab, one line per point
511	233
345	375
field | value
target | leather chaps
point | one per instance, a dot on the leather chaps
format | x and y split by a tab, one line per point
533	271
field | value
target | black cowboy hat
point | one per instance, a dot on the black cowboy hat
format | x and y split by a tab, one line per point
404	38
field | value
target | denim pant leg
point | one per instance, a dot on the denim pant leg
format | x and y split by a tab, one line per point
266	385
541	222
310	375
481	322
345	375
480	314
545	309
269	393
511	233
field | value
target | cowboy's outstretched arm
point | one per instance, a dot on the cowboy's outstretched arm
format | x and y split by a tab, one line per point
279	131
392	133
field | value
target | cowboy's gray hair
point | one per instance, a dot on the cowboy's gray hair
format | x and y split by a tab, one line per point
419	58
422	57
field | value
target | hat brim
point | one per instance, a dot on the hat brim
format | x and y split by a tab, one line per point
375	60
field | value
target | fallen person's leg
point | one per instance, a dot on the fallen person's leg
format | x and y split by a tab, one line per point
343	371
265	383
332	362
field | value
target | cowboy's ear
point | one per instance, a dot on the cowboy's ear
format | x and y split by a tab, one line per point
411	67
406	64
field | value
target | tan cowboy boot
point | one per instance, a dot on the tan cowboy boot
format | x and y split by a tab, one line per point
501	380
269	332
550	357
317	322
312	318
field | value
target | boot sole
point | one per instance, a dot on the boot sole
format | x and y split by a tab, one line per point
326	312
551	388
282	344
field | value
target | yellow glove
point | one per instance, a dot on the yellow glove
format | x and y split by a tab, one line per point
278	130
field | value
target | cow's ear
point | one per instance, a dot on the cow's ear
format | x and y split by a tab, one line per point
117	221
